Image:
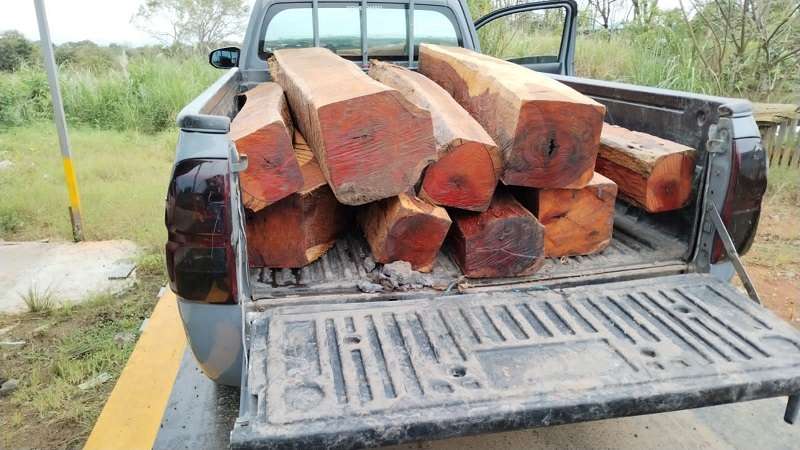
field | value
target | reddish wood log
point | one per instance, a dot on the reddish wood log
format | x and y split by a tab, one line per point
469	164
652	173
370	141
405	228
506	240
263	131
299	229
576	221
548	133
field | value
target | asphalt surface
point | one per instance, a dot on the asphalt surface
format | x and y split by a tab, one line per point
200	415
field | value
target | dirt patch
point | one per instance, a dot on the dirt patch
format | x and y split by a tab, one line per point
774	260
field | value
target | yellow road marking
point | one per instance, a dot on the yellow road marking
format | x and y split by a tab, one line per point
132	415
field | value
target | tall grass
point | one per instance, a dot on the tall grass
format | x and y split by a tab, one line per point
144	96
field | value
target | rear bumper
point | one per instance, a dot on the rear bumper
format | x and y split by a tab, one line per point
214	333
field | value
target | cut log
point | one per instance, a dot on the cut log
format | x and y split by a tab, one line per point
506	240
469	163
299	229
652	173
548	133
371	142
405	228
576	221
263	131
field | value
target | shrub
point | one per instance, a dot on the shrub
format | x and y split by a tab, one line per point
145	94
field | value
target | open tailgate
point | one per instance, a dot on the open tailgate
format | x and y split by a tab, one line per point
369	374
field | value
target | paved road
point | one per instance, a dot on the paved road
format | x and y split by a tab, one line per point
200	415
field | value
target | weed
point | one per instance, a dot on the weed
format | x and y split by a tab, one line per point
151	264
49	410
39	300
10	221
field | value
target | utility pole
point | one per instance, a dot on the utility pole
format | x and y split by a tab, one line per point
60	120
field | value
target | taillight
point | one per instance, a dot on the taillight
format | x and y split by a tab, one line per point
746	187
199	255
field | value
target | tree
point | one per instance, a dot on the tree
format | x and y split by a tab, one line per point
643	11
201	23
605	8
747	46
14	50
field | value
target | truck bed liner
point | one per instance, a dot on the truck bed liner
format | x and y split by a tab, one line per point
634	244
368	374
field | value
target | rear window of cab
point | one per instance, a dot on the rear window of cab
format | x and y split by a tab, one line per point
386	26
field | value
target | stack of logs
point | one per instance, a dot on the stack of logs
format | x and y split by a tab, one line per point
506	165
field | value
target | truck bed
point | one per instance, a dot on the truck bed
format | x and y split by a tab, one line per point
636	244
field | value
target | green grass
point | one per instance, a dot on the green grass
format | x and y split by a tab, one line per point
145	96
122	177
66	347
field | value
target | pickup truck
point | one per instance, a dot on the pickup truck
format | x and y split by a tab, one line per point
650	324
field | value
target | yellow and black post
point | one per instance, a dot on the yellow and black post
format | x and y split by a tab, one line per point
60	120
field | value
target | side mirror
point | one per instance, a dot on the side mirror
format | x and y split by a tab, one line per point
224	58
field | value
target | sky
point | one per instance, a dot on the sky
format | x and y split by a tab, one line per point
101	21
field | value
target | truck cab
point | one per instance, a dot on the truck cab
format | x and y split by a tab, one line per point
650	324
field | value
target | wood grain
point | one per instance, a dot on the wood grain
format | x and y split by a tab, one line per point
652	173
262	130
547	132
506	240
469	163
371	143
405	228
576	221
299	229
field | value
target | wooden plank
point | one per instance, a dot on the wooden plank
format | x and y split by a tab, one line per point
795	132
548	133
299	229
768	141
405	228
263	131
576	221
371	142
780	144
650	172
506	240
469	163
775	113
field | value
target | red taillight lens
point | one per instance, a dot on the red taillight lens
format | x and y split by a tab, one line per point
746	188
199	255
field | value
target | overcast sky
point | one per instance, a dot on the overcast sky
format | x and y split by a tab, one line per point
101	21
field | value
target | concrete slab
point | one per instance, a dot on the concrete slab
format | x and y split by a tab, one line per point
69	272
